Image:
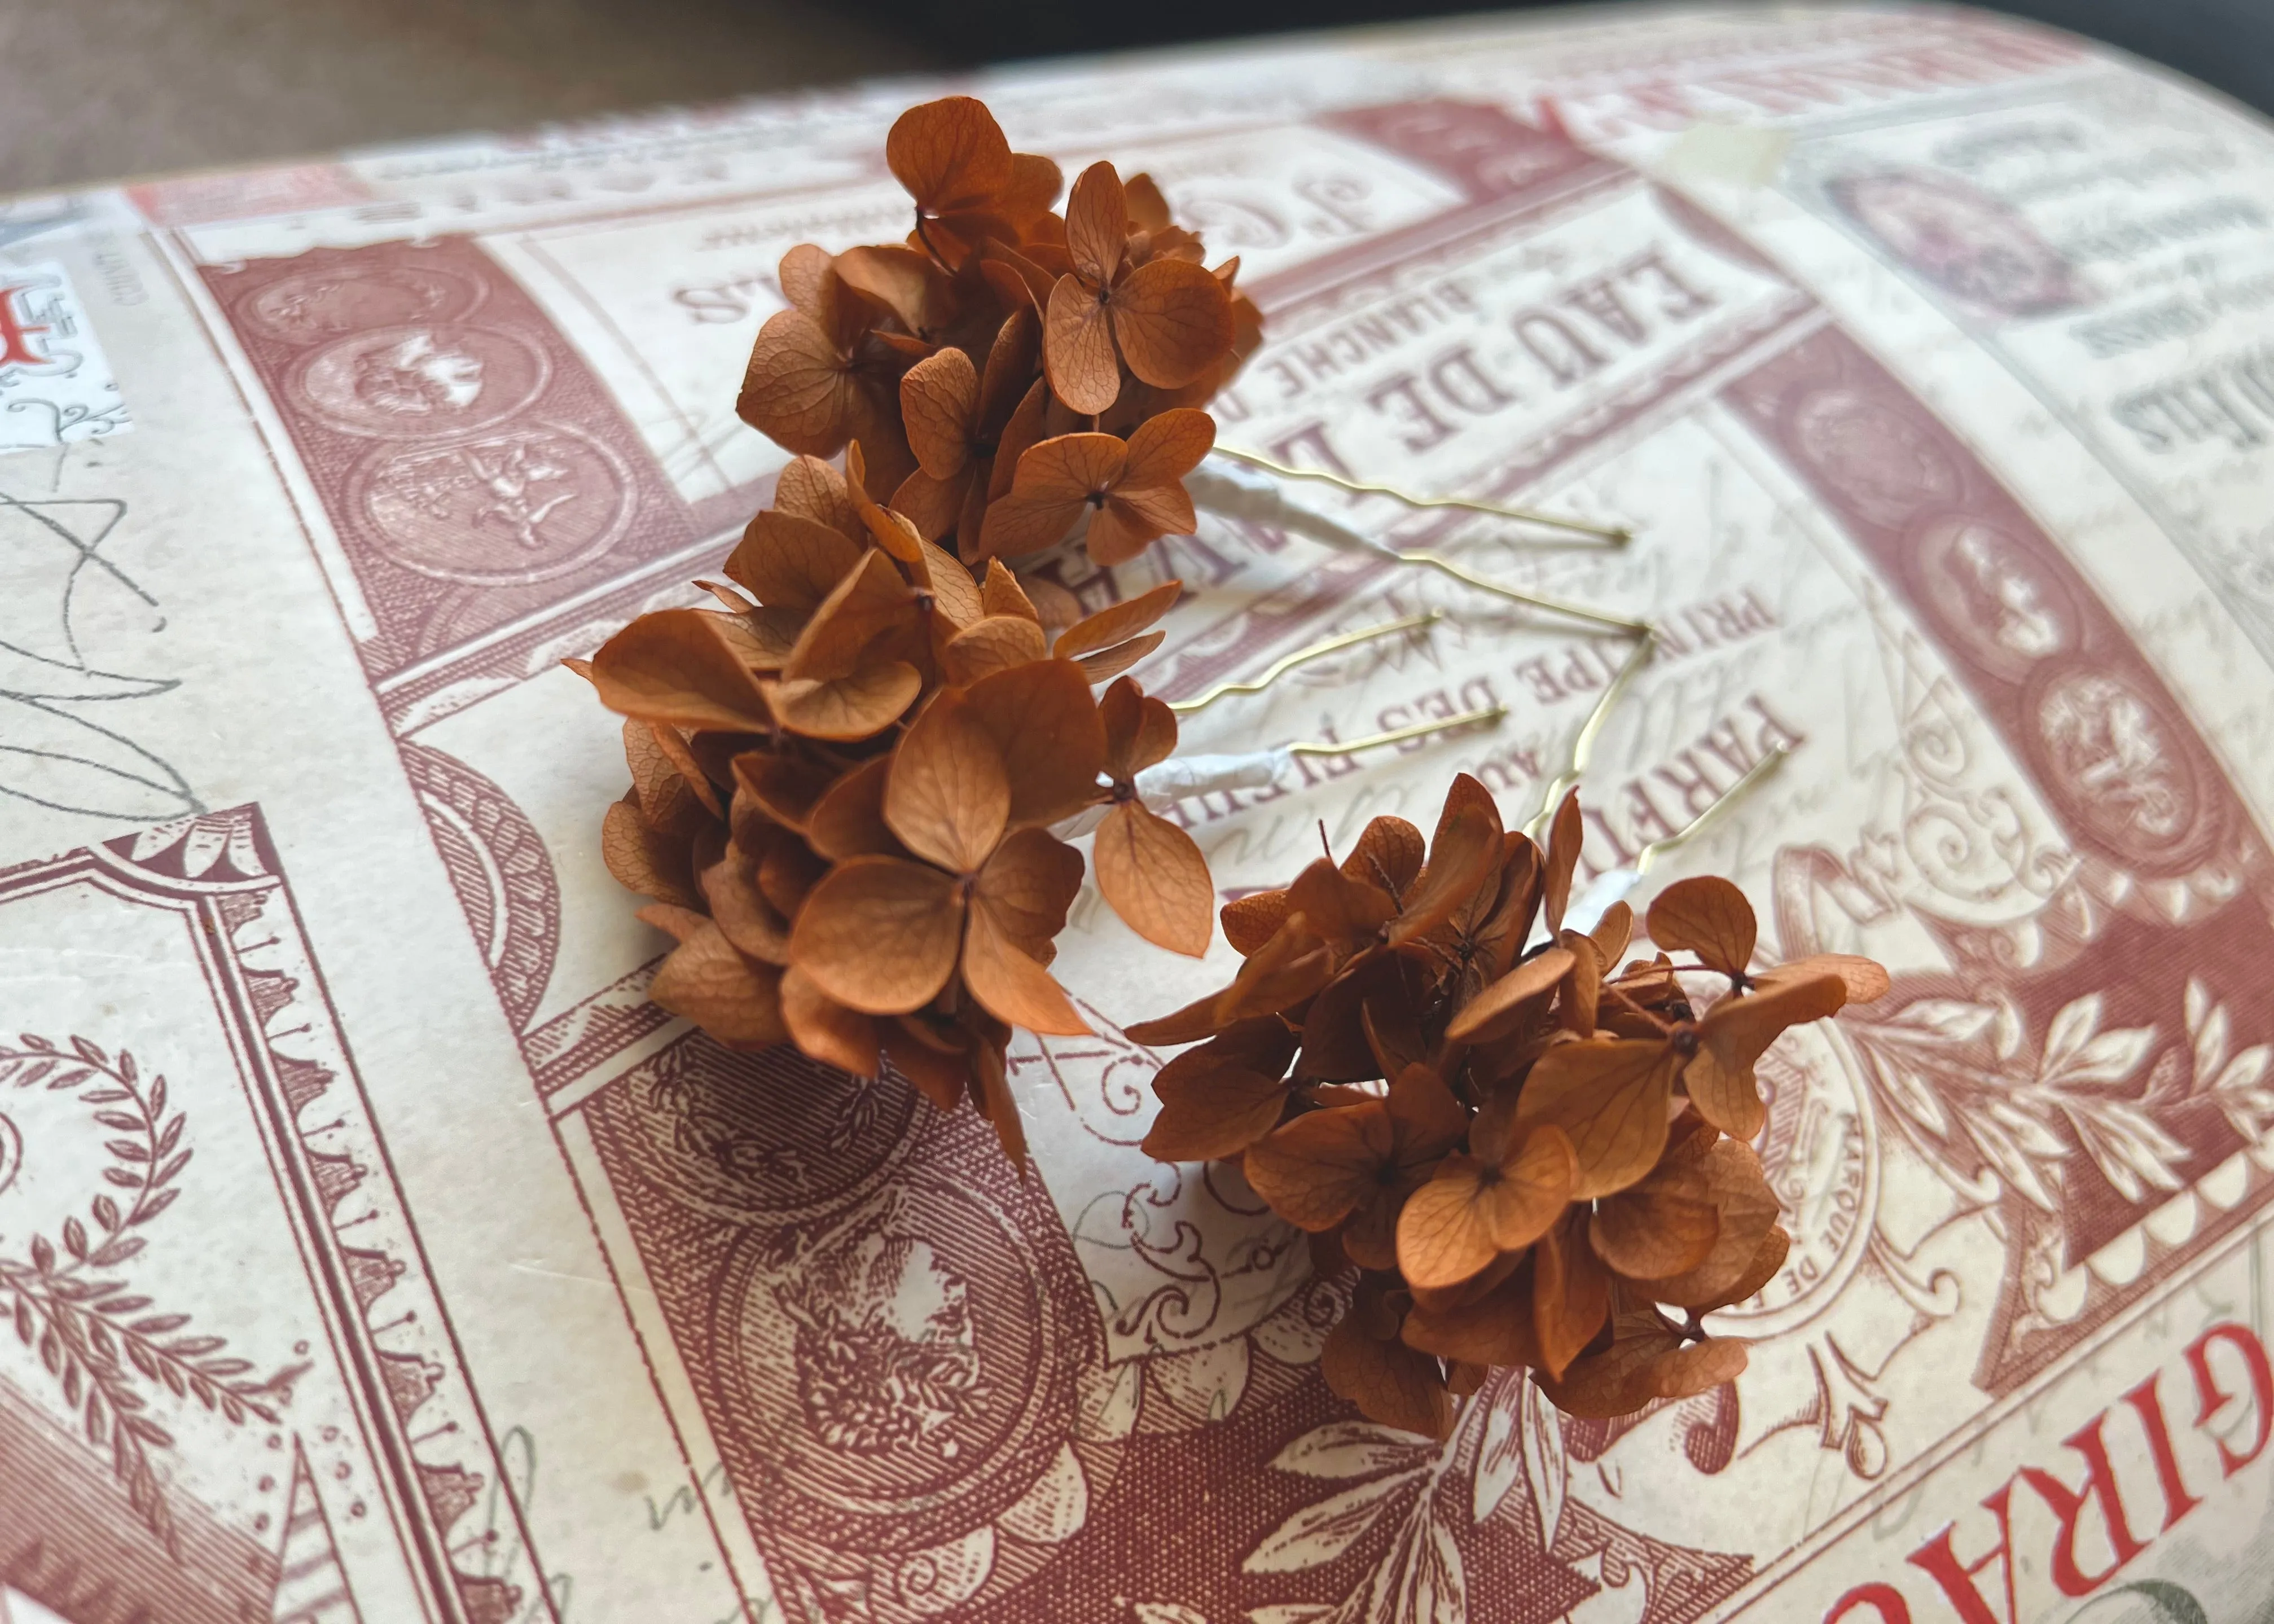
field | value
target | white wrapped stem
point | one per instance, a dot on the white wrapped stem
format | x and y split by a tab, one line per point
1182	777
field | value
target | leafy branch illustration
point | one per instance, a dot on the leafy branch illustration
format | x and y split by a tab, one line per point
92	1333
1966	1094
1421	1578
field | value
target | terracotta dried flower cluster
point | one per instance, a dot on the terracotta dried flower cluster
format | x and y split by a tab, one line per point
845	780
1528	1155
854	781
1008	370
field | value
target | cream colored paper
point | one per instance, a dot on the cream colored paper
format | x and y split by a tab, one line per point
1920	353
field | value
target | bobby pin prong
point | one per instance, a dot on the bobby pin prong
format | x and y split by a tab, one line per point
1752	775
1419	730
1615	535
1286	663
1583	742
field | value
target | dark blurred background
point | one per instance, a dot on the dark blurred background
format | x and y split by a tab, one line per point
99	89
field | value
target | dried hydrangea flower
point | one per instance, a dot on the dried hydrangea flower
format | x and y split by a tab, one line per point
1528	1155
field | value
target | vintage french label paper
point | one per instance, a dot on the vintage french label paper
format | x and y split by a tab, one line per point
1916	348
54	386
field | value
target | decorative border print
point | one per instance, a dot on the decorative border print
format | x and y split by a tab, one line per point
228	1389
55	387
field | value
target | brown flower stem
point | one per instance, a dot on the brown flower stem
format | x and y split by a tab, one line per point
1612	993
924	237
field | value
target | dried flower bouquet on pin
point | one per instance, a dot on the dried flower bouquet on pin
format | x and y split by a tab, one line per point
1007	371
1528	1155
846	777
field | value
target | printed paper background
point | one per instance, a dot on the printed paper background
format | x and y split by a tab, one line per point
1937	418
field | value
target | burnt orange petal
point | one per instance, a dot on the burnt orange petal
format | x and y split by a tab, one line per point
806	276
1739	1030
1471	1210
1154	875
858	706
1000	593
1016	525
796	390
1118	621
680	666
1026	889
1044	723
791	562
1612	933
1140	730
1698	1367
1389	853
880	934
786	788
1427	1117
948	151
1564	838
942	1077
809	488
871	599
1148	208
1033	187
1728	1179
1707	916
1610	1098
1493	1328
1582	992
1097	224
1013	357
850	820
1167	446
825	1029
1336	907
735	999
645	861
1767	1263
1727	1095
1441	1237
786	874
1315	1169
1133	517
935	507
939	403
1570	1293
1173	321
1480	1017
1252	921
1011	986
893	532
1078	355
1209	1112
1466	854
749	921
900	280
954	592
997	643
1866	980
1026	430
947	797
1664	1225
1393	1385
1108	664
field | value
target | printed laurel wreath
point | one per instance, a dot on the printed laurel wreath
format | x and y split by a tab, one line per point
852	790
844	784
1522	1154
